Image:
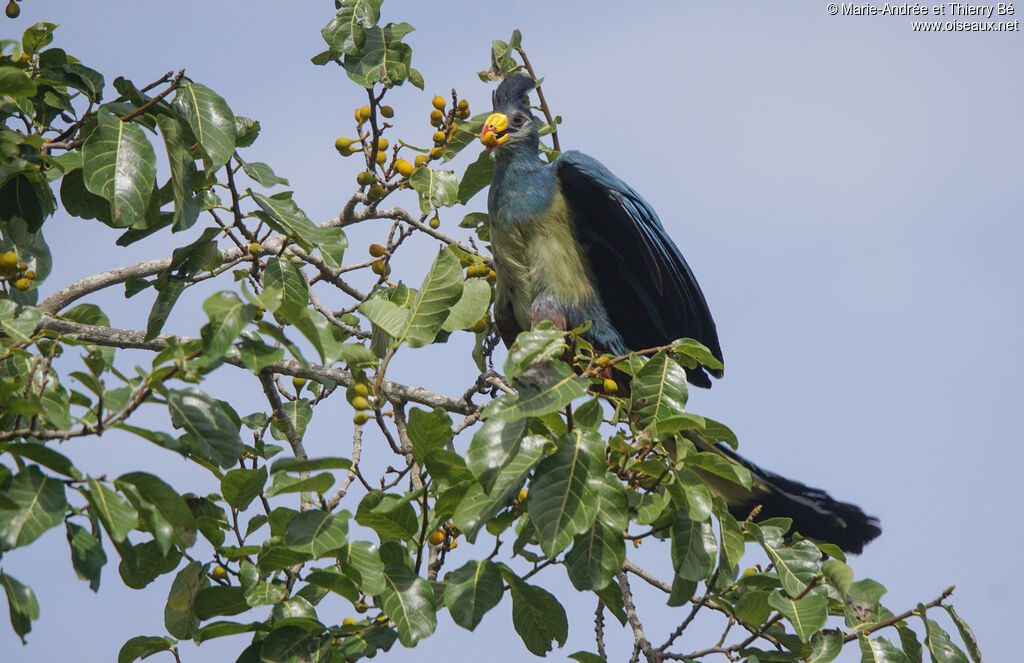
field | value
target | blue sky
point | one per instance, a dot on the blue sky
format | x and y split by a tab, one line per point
846	190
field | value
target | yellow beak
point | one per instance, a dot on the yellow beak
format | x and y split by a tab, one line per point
495	131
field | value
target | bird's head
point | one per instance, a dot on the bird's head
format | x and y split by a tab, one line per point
511	126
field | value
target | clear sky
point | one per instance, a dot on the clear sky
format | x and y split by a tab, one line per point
847	190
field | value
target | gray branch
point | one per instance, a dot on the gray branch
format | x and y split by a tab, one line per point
124	338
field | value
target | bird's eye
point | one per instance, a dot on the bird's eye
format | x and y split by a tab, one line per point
517	119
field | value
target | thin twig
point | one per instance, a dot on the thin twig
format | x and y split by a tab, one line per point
898	618
638	629
599	629
543	102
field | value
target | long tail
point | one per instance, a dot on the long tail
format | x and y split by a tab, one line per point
814	512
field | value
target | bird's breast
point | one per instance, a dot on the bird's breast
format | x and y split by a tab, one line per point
537	253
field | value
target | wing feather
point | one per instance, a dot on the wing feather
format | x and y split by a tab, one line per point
650	293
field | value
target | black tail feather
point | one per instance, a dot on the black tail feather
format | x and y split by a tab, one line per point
814	512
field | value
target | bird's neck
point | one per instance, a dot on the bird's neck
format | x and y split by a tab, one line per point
522	188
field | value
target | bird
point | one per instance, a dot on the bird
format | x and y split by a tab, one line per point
573	243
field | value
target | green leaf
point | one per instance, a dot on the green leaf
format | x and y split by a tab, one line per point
695	350
211	121
118	517
689	492
428	431
40	504
409	601
246	131
909	642
28	197
492	447
807	615
262	173
15	82
292	644
694	547
966	633
180	616
478	174
333	246
938	642
309	464
87	556
142	564
659	390
213	435
143	646
166	501
537	616
535	346
795	565
22	604
389	516
386	315
283	483
365	643
441	288
472	590
558	387
611	598
560	503
586	657
43	455
596	556
753	607
119	164
361	561
240	487
839	575
284	216
383	57
476	298
222	628
316	532
437	188
479	506
612	501
21	327
184	176
733	545
297	413
331	580
37	36
345	33
879	650
228	316
255	354
168	290
825	646
219	600
720	466
285	289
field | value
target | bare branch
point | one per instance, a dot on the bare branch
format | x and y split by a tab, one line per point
599	629
638	629
357	450
274	398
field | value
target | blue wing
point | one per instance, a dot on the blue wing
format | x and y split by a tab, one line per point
648	290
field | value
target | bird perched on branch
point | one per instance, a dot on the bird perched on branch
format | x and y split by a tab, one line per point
574	243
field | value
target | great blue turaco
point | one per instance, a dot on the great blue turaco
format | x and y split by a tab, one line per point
573	243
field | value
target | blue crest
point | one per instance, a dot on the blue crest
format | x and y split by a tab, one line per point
512	93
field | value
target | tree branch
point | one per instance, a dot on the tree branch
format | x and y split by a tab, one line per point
123	338
638	629
897	618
